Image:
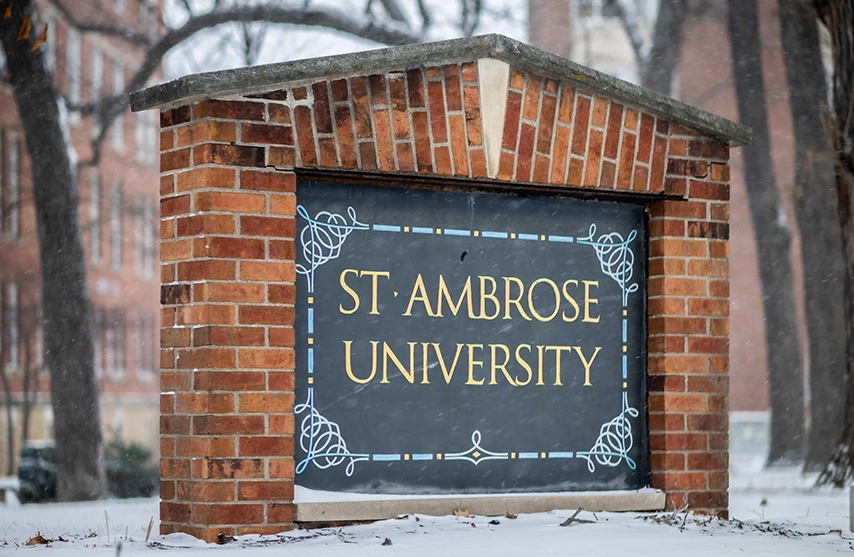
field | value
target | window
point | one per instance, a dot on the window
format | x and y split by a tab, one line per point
72	63
14	195
99	331
598	8
139	239
119	122
95	217
39	344
115	340
97	79
145	336
144	238
50	45
146	137
148	240
116	225
12	324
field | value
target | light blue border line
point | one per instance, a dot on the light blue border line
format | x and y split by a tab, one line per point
561	455
529	455
386	457
310	321
625	365
421	230
624	330
456	232
311	360
422	456
564	239
523	236
386	228
490	234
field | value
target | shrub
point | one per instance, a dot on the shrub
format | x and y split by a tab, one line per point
129	468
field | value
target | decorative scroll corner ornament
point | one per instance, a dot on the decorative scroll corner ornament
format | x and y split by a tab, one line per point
321	440
614	442
615	257
322	238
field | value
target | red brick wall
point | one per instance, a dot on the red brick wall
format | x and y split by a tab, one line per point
228	255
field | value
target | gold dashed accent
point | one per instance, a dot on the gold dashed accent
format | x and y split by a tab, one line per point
542	455
311	299
476	233
439	456
543	238
438	231
311	380
513	235
625	385
311	341
406	457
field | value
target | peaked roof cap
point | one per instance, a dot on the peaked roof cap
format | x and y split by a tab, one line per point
519	55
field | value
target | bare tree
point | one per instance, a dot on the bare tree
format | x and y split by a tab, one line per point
773	238
821	237
19	361
43	113
838	17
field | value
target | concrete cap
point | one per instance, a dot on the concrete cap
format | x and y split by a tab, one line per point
268	77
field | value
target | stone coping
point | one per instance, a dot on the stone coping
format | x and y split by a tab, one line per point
342	511
256	79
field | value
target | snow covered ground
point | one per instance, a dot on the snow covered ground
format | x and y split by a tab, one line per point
774	512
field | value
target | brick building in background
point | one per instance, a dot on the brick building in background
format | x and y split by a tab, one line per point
704	79
119	219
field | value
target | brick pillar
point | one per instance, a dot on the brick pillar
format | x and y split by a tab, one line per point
227	359
689	326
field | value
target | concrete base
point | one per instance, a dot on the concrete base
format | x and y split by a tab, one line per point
342	511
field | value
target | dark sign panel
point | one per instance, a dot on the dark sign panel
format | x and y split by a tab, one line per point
453	341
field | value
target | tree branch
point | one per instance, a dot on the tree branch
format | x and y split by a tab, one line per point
631	25
394	11
112	107
127	33
659	66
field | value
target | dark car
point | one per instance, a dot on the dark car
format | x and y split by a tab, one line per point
37	472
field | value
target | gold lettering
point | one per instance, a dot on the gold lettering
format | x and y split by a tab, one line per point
503	367
408	374
587	364
349	291
588	300
419	292
472	363
571	300
349	368
448	374
540	365
558	350
491	297
424	346
508	301
531	307
466	293
524	364
374	275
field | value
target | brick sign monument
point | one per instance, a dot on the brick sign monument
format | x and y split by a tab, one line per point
416	276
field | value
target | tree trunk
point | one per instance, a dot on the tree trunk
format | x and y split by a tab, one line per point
821	237
660	65
772	237
74	393
838	17
10	425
